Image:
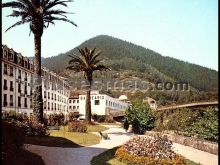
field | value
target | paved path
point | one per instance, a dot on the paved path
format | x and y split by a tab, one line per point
83	155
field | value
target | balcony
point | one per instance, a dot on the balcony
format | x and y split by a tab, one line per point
5	88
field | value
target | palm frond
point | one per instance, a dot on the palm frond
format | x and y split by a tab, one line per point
17	23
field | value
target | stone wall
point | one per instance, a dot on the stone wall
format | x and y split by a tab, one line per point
199	144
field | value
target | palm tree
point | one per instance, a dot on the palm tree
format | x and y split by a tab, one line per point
87	62
39	14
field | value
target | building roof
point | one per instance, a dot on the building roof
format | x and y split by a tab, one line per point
123	97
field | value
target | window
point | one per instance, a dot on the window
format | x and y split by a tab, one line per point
45	104
25	89
55	107
11	71
25	76
5	100
5	84
11	57
77	107
11	100
48	95
25	102
11	86
19	88
19	74
55	96
77	101
5	54
19	101
74	101
45	94
48	105
30	103
74	107
97	102
70	107
5	69
70	101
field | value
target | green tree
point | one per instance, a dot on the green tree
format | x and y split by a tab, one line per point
39	14
140	115
87	62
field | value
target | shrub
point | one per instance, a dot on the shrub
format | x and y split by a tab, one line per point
77	126
32	128
72	116
126	124
188	122
54	119
141	117
12	140
124	156
148	150
98	118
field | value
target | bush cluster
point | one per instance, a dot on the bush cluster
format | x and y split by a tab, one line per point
12	140
198	123
149	150
141	117
124	156
77	126
102	118
54	119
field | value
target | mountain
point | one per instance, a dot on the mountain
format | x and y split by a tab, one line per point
123	56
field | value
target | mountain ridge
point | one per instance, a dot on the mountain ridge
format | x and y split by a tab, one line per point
122	55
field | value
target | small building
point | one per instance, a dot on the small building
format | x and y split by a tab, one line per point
101	104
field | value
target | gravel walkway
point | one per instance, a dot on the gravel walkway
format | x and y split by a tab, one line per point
83	155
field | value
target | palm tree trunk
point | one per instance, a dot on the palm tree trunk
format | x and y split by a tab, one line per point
88	105
37	96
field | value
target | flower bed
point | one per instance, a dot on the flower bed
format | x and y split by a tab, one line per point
149	150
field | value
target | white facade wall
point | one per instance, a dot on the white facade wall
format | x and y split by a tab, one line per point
101	104
23	76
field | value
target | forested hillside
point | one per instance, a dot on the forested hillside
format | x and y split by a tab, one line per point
124	56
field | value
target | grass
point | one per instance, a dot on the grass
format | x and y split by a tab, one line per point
108	158
96	128
63	138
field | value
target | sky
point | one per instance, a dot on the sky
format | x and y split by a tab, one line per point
182	29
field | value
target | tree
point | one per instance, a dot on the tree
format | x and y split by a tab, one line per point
39	14
87	62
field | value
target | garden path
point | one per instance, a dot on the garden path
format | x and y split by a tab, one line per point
83	155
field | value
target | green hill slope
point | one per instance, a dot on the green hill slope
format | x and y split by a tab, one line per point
124	56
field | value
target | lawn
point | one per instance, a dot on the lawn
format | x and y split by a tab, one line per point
63	138
107	158
96	128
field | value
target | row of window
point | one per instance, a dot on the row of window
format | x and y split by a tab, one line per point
54	106
11	87
115	105
54	97
73	101
19	103
11	72
74	107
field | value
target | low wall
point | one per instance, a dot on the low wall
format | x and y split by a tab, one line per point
199	144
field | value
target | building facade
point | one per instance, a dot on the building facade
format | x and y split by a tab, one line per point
18	84
101	104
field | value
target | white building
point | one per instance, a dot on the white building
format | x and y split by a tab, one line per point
17	85
101	104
